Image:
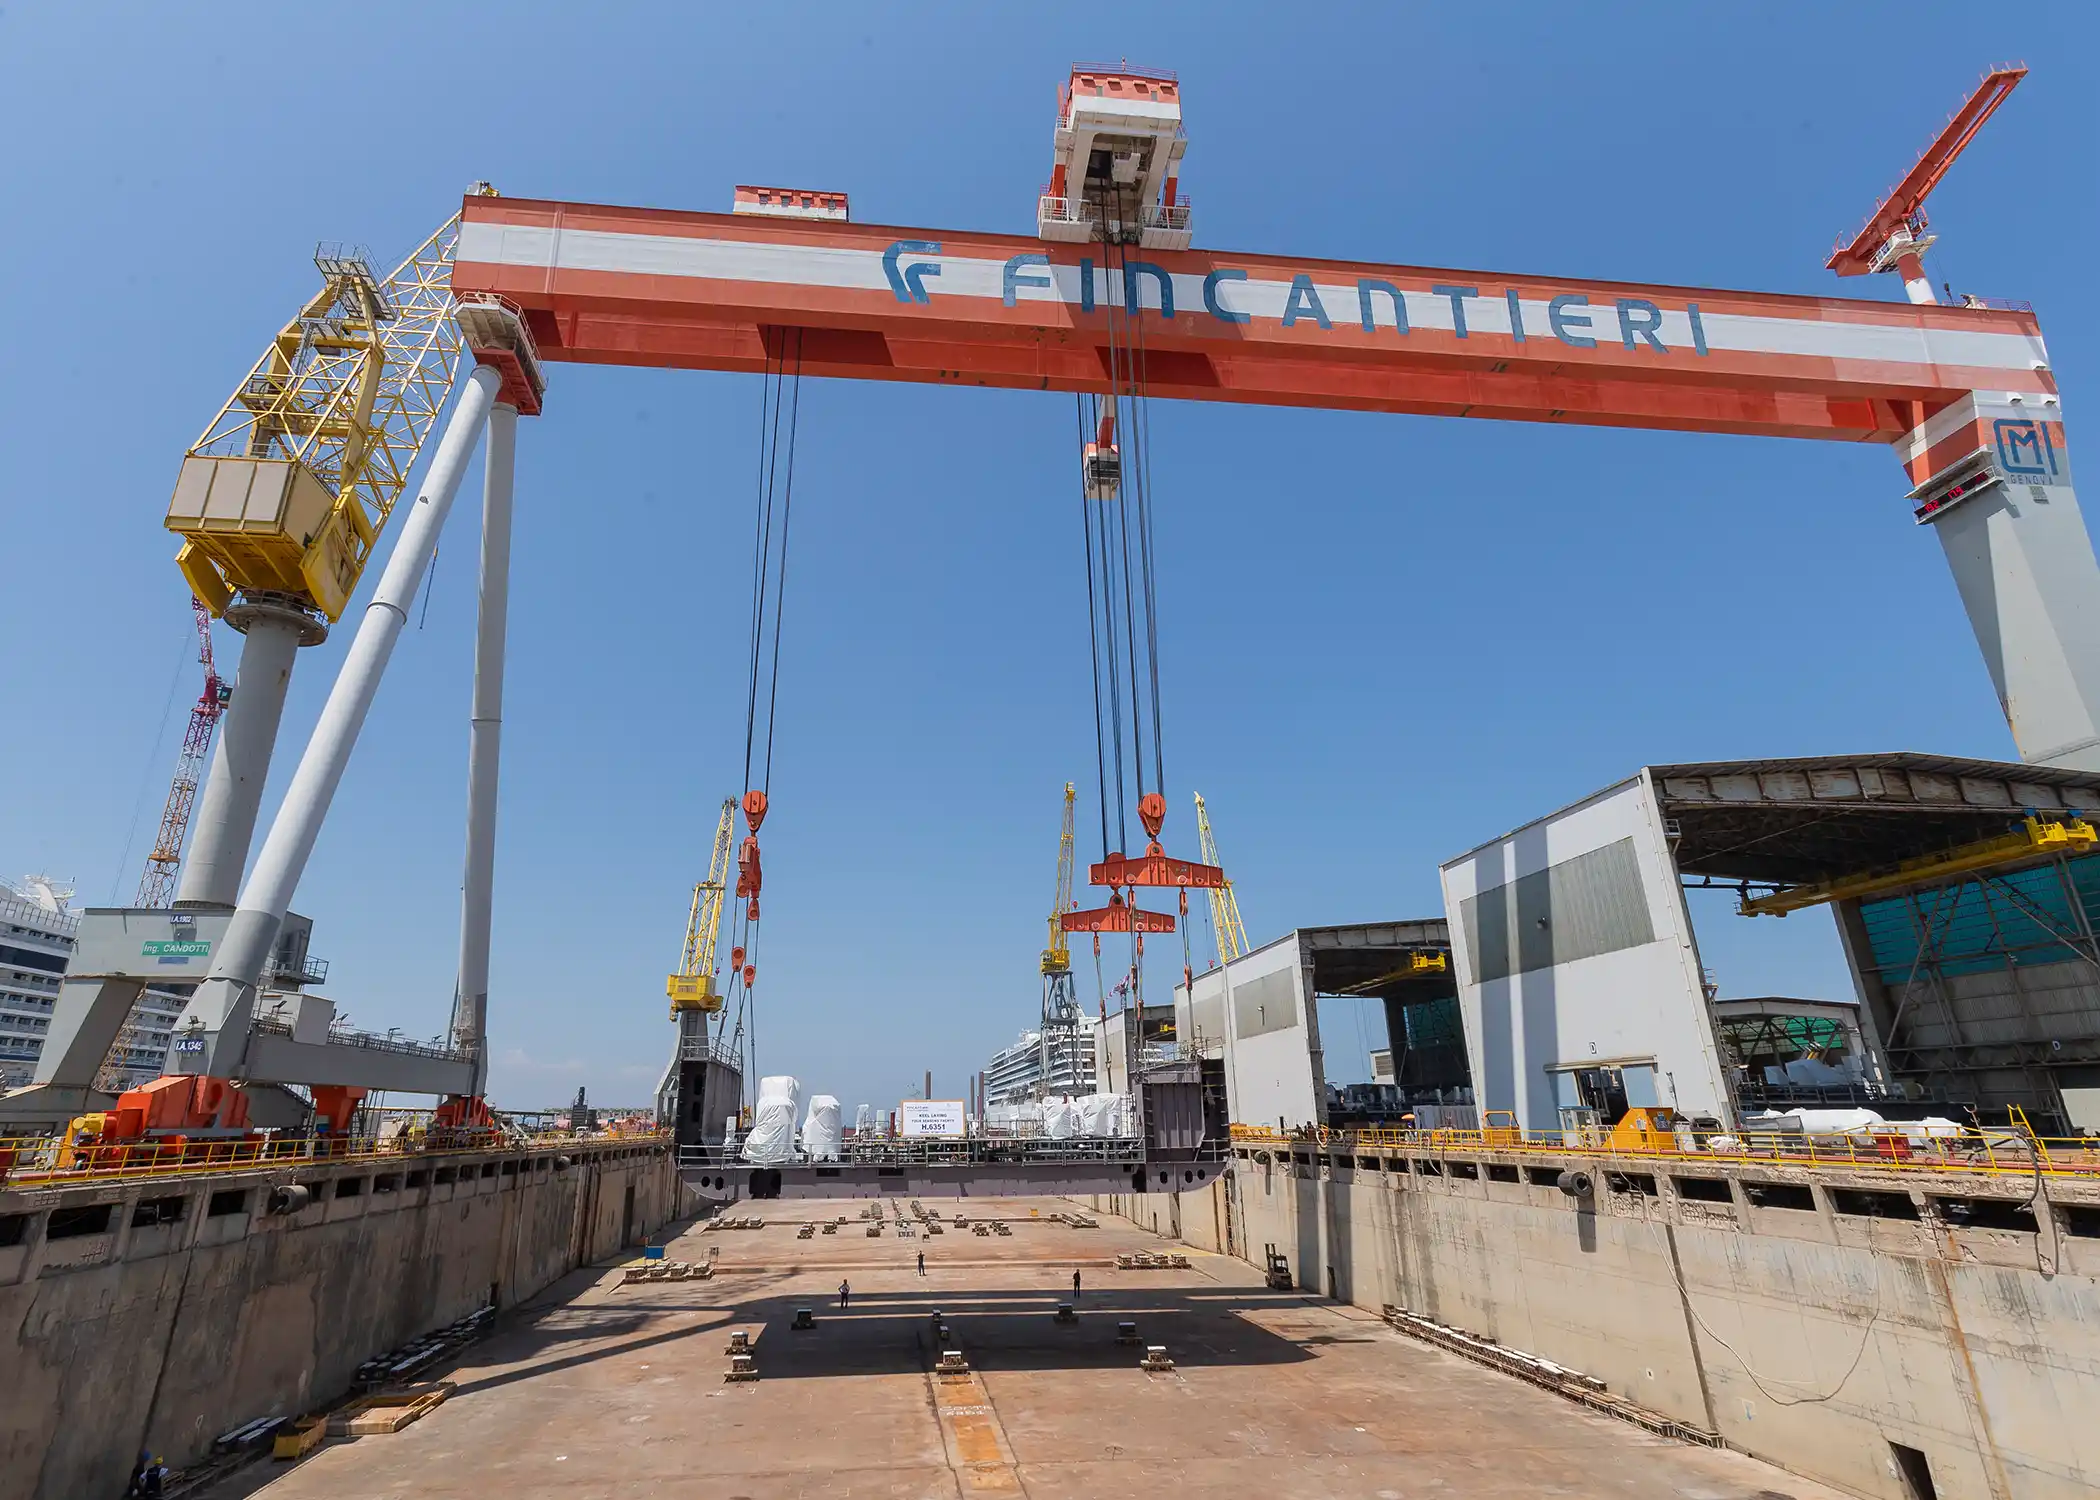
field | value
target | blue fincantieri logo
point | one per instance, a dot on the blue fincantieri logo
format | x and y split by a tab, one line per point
2024	449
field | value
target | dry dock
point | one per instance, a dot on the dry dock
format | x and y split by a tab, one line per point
601	1389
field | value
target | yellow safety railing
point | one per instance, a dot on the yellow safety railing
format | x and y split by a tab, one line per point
2008	1151
32	1161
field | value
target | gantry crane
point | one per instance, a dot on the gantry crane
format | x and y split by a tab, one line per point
692	988
1224	905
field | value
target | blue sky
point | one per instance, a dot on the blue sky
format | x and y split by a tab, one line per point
1384	639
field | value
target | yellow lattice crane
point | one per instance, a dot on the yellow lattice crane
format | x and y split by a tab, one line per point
1224	906
1057	958
288	489
693	986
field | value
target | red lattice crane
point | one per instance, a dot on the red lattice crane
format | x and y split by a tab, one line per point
157	885
1894	238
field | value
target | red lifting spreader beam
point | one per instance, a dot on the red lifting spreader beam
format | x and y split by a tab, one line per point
1117	916
1155	868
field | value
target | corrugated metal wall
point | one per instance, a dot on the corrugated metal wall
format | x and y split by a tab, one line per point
1579	908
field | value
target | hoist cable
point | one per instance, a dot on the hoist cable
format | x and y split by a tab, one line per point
1093	622
761	546
787	509
1141	433
1120	373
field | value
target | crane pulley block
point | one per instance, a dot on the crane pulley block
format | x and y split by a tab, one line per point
1117	916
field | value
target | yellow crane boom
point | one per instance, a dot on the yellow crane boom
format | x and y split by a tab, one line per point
2035	838
1224	906
693	986
1057	958
288	489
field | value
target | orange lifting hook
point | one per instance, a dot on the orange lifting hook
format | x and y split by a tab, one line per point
750	975
750	876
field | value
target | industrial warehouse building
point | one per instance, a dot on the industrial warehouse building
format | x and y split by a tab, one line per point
1577	975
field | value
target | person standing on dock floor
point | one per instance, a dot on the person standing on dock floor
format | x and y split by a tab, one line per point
845	1292
922	1262
1075	1286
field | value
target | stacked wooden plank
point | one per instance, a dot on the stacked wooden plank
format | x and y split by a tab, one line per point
387	1411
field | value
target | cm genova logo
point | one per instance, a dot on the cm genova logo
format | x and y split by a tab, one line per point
2024	450
909	281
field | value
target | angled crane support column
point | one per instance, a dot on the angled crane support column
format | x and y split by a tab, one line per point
1993	480
499	340
213	1035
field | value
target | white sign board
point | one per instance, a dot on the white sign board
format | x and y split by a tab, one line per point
923	1117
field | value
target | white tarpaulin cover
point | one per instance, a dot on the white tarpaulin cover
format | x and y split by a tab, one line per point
772	1137
1835	1121
820	1128
1060	1119
861	1115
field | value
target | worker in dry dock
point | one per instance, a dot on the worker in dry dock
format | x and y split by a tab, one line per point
845	1291
1075	1286
922	1262
148	1478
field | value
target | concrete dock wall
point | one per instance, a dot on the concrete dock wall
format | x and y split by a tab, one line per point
1814	1335
164	1312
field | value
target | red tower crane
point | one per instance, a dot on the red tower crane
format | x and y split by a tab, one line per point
157	884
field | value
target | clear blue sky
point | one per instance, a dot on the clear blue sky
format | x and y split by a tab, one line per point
1378	649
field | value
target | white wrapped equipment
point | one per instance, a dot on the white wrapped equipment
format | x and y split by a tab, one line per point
820	1128
1836	1121
861	1115
1097	1113
1060	1119
772	1137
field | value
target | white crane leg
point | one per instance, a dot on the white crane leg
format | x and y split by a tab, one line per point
224	1003
2024	566
224	824
485	746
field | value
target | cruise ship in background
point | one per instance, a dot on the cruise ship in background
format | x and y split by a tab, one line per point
37	930
1054	1061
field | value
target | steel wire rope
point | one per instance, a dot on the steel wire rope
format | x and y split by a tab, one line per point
762	548
1109	553
1093	633
1120	375
1141	434
787	504
787	511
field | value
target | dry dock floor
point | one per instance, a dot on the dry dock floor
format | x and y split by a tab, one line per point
599	1390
